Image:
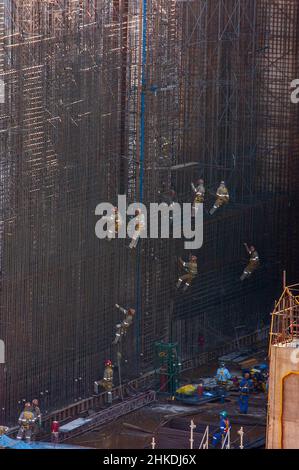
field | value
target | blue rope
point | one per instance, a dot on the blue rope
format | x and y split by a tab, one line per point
141	170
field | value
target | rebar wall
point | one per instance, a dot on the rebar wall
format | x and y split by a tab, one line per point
104	98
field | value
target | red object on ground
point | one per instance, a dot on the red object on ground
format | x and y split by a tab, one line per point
55	426
200	390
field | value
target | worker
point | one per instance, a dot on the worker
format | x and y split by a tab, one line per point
55	432
38	417
191	271
165	147
3	430
200	390
253	262
114	222
26	423
222	197
168	196
259	377
122	328
199	191
246	386
139	227
222	376
107	381
224	428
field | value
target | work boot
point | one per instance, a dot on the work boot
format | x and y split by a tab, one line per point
244	276
186	287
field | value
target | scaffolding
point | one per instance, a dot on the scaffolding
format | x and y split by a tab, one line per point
285	318
167	367
108	97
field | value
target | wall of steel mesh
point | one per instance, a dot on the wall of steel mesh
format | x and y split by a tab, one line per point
122	97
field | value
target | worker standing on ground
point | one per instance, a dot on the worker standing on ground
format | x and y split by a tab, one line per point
253	264
199	191
139	227
222	197
191	272
224	426
26	423
107	381
38	417
246	386
222	376
122	328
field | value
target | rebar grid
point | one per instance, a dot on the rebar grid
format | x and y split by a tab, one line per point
71	138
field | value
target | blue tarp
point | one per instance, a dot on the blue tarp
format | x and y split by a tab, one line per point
9	443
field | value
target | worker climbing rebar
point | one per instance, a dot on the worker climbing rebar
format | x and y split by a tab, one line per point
167	196
114	222
107	380
122	328
139	227
253	264
222	197
199	191
191	272
26	422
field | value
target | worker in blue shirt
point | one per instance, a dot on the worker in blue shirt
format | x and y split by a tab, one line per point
222	376
246	386
223	429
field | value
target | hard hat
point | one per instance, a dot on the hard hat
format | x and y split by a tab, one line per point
108	363
223	414
222	182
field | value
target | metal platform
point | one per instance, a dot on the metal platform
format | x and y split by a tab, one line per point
107	416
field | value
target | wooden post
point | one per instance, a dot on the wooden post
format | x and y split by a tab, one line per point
192	427
241	434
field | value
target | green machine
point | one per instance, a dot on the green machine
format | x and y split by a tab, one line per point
167	367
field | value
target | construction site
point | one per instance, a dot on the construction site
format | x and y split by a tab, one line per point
176	101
